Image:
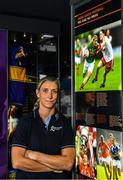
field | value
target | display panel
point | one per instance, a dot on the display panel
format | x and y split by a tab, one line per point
97	46
97	67
97	82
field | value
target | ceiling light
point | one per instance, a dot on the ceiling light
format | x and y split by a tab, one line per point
31	39
14	38
24	34
47	36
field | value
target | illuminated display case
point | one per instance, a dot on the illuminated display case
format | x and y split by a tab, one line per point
31	56
29	50
96	28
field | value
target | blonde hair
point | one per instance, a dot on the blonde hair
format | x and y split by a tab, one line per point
41	82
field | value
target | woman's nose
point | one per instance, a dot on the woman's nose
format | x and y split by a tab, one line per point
50	94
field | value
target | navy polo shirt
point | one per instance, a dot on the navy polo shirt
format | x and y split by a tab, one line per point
31	133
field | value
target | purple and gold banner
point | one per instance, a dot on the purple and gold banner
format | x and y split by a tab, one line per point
3	104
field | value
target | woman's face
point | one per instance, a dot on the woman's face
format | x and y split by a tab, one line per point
111	137
47	94
101	34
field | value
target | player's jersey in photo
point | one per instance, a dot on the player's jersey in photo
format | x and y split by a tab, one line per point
78	51
114	149
107	50
91	50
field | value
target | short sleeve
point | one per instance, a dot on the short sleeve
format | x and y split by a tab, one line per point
68	139
21	135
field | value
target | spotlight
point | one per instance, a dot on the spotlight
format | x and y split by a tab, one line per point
14	38
31	39
24	34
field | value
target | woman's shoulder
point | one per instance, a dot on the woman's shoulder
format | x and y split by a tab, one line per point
26	117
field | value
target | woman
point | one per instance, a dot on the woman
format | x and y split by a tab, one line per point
43	143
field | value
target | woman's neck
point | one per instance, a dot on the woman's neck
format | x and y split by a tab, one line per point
44	113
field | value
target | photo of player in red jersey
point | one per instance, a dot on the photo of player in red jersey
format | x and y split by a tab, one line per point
85	151
109	155
95	67
107	58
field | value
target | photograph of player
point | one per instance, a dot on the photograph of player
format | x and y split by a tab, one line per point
109	155
108	51
109	36
107	58
85	152
115	156
104	156
78	53
89	56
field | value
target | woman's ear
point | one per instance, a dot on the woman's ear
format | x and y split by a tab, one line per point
37	93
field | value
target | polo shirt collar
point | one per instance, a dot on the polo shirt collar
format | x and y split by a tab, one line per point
47	121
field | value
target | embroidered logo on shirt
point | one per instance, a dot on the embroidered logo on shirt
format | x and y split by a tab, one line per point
53	128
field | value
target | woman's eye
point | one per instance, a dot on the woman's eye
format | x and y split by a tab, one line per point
45	90
53	91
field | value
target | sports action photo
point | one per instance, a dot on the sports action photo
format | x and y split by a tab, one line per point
85	143
109	155
97	57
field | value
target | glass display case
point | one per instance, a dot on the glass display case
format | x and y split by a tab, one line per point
31	56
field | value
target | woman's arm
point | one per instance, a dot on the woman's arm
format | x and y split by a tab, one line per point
22	162
61	162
